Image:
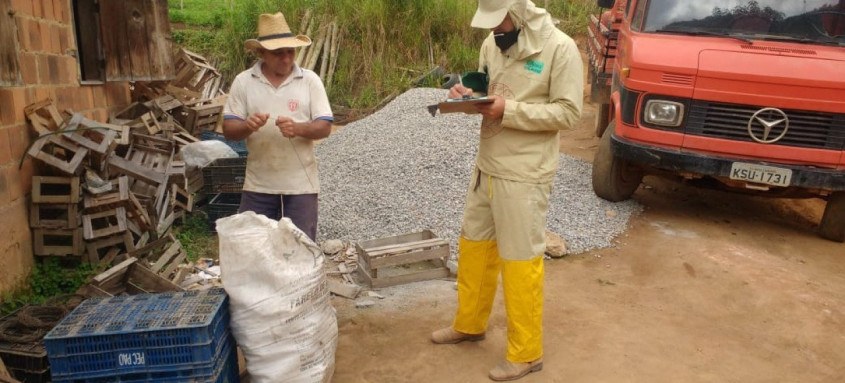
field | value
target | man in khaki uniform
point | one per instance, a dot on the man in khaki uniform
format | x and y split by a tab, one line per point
535	81
280	109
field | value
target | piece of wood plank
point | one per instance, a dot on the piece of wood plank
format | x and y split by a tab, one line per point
440	272
91	291
168	271
115	40
135	20
180	275
155	247
324	63
150	281
159	46
404	246
168	255
114	272
397	239
441	252
10	69
126	167
345	290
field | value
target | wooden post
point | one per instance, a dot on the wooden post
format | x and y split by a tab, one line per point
324	63
334	52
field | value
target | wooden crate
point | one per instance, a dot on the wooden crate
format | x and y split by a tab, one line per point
201	116
64	190
58	242
380	261
104	224
54	216
58	152
192	71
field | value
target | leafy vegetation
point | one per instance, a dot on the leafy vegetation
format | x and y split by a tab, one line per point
49	278
386	44
196	238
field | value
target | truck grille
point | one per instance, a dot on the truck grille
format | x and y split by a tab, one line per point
730	121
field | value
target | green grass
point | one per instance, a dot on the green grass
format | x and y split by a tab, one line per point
195	237
49	278
206	13
386	44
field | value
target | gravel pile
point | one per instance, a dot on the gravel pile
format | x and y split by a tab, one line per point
401	170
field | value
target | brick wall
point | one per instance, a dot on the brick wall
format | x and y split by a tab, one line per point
49	69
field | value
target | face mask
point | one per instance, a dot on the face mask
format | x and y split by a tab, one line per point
506	39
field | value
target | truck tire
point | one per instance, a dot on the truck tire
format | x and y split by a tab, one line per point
614	179
602	119
832	226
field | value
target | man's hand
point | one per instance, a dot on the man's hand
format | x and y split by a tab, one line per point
459	91
286	126
494	110
256	121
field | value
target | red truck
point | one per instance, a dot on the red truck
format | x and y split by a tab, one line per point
742	95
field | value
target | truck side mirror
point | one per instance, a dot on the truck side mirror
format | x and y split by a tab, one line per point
605	3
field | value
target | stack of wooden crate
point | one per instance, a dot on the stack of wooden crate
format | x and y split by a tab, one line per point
107	189
54	216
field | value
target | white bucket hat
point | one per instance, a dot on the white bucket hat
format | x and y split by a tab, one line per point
491	13
274	33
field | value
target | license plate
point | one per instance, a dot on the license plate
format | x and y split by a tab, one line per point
761	174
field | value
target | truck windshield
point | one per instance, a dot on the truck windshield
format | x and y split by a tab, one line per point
808	21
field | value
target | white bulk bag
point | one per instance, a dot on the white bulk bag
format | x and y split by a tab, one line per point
278	299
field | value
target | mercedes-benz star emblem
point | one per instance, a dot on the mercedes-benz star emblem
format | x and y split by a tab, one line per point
768	118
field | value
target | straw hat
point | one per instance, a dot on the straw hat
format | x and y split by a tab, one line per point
274	33
490	13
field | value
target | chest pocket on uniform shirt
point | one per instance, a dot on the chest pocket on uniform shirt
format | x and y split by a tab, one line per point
535	71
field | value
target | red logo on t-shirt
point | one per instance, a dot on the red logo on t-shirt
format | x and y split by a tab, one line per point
293	105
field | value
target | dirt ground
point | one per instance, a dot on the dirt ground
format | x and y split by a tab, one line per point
704	286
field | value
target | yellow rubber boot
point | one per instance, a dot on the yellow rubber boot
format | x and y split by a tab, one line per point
478	277
523	288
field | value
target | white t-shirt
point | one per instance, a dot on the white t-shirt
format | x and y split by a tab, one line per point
276	164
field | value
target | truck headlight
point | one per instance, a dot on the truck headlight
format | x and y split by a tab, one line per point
664	113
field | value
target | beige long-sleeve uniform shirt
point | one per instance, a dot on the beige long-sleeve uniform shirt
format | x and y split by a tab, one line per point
541	79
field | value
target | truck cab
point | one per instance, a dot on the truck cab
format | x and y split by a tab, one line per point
743	95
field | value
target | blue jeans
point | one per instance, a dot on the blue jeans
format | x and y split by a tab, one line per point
300	208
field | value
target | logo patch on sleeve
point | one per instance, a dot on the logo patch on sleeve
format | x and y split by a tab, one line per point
534	66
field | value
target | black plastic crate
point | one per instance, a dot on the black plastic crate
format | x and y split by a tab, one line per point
26	361
221	205
225	175
24	356
25	376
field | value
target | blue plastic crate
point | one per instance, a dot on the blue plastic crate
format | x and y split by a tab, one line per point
238	146
139	334
224	368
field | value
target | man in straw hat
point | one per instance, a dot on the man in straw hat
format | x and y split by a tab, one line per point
280	109
536	84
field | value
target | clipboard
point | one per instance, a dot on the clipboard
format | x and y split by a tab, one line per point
465	105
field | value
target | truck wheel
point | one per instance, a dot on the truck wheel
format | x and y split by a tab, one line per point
614	179
832	226
602	119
